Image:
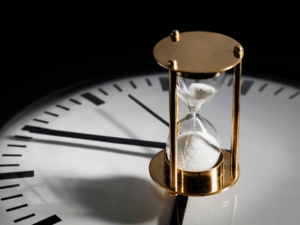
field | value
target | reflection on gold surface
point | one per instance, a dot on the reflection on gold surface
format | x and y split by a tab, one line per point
204	183
200	54
173	117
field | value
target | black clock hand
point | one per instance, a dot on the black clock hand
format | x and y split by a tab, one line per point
115	140
149	110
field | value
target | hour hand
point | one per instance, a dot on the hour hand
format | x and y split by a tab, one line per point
92	137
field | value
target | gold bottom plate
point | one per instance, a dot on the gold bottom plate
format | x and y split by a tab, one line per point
204	183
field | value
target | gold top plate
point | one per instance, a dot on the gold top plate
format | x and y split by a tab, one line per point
199	52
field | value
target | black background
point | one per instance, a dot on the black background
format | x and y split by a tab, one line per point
49	45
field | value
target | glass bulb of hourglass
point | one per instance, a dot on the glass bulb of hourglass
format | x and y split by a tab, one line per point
198	144
194	93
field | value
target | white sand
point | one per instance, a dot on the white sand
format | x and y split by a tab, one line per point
198	93
195	151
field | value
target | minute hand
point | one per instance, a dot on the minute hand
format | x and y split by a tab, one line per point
92	137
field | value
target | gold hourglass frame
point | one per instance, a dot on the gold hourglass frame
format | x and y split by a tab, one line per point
198	55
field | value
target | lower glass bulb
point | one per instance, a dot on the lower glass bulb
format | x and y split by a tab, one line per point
198	144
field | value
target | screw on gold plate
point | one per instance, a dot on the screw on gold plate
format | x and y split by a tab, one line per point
238	51
173	64
175	37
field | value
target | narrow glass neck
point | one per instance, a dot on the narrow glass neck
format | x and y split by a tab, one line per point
194	110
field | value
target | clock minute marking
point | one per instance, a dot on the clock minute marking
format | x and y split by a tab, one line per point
92	137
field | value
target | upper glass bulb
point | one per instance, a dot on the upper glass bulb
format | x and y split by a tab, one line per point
194	93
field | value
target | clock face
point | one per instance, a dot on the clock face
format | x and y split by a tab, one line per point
81	156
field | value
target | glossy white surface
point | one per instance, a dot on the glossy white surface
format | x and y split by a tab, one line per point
88	182
213	210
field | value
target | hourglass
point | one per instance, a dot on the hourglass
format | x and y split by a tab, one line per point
193	163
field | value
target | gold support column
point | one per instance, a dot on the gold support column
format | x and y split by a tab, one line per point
173	130
235	119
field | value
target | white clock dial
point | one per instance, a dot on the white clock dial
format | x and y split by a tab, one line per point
47	177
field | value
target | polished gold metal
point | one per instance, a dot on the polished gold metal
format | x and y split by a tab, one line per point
173	65
238	51
235	118
199	54
173	118
172	194
195	76
205	183
175	36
